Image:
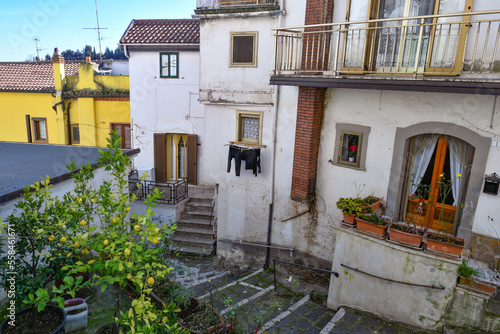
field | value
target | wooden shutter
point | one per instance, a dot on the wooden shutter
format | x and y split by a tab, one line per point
160	149
192	159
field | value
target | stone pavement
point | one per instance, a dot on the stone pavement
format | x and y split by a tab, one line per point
252	302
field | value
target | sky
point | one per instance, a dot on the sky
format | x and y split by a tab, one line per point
61	23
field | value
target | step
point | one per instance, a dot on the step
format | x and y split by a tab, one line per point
198	207
184	228
194	236
201	191
201	201
194	222
198	215
192	249
192	240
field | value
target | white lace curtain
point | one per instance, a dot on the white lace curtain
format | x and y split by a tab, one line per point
461	155
421	150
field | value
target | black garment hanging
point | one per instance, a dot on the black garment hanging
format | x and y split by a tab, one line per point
250	156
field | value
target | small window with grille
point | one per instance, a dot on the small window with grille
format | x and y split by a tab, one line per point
249	127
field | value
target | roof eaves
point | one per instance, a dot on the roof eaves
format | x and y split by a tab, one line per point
130	25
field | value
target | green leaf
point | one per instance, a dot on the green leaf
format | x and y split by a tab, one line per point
104	286
41	306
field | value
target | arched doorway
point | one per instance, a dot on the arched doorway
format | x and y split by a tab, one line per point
437	172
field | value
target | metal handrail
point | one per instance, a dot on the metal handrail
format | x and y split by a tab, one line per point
464	46
174	191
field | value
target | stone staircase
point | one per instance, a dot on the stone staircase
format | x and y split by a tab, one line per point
195	232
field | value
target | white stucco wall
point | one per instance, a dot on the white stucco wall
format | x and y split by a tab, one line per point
164	105
419	306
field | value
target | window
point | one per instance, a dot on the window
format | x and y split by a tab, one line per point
243	49
169	65
249	127
350	146
40	130
400	45
123	130
75	133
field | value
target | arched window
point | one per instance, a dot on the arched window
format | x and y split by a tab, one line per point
436	175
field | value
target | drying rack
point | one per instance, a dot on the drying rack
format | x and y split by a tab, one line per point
245	145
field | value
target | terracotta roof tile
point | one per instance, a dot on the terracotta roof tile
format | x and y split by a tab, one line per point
32	76
179	31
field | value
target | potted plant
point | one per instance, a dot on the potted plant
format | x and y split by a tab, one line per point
351	207
441	241
468	280
351	152
372	224
372	202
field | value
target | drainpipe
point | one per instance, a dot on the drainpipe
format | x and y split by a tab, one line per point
276	95
125	51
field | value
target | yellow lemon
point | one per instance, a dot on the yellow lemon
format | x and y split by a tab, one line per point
137	228
129	276
106	242
83	223
151	281
63	240
79	199
127	208
51	238
155	240
126	251
114	220
76	245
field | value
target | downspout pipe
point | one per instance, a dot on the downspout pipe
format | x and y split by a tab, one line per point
276	96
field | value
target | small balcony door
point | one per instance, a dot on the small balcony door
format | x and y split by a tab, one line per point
175	157
438	168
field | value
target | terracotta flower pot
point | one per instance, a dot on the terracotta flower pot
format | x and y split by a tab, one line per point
478	286
374	205
414	240
371	228
445	244
349	219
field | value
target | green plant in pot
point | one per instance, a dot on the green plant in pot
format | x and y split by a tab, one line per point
464	270
351	207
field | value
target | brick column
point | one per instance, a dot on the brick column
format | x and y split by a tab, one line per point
309	114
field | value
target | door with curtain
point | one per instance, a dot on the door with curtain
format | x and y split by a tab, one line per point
175	157
437	173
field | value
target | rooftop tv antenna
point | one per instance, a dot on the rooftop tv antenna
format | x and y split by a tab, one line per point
98	30
38	49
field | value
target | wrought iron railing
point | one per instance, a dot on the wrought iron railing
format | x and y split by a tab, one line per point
447	44
172	191
215	4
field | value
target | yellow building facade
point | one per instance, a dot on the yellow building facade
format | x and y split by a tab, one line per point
66	103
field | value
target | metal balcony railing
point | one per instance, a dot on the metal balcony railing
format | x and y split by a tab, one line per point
172	191
448	44
216	4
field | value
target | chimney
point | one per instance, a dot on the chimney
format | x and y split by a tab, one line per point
58	65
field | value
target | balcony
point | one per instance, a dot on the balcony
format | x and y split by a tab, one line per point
172	192
435	49
234	6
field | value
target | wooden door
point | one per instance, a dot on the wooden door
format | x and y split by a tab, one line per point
160	156
192	159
